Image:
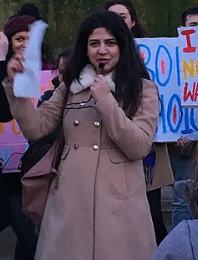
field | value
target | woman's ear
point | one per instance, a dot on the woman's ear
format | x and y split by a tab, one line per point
133	23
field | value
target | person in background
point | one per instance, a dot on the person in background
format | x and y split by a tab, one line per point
181	152
157	167
126	10
5	116
97	206
37	149
61	63
48	62
189	17
181	242
16	33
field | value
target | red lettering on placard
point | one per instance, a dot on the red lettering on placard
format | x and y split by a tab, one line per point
163	67
175	114
189	47
191	93
143	55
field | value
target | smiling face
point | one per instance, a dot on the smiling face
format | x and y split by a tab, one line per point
191	20
122	11
19	41
102	47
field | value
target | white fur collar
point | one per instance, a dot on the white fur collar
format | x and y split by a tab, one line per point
87	76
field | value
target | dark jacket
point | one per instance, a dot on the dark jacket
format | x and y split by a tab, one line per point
5	114
37	149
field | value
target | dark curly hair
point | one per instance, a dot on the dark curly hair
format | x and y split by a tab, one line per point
29	9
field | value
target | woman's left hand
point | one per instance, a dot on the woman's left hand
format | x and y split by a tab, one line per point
15	65
3	46
99	88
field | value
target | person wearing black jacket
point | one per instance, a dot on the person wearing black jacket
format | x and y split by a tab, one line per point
13	40
5	116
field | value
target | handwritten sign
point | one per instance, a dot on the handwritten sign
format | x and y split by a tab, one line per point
188	49
12	142
162	59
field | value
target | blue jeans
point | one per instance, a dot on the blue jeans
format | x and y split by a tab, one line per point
181	168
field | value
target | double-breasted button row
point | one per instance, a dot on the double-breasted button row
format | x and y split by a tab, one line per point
95	147
96	123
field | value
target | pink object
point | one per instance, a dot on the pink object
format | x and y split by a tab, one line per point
12	142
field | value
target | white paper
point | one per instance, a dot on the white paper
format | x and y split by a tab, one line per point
27	84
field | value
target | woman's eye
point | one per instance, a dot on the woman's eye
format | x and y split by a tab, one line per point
111	43
93	44
19	39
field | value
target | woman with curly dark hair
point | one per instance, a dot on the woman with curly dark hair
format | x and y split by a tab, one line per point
108	108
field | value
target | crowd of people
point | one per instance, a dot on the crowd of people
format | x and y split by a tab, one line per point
105	202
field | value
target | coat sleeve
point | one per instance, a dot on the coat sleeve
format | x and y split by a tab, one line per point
176	245
36	123
134	137
5	113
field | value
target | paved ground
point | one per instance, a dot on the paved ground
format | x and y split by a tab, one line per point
7	238
7	242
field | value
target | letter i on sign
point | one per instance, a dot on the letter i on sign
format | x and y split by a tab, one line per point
189	47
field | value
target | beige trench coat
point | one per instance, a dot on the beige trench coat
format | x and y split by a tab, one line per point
97	207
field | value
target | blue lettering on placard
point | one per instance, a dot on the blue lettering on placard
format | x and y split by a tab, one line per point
163	118
6	156
150	71
161	48
187	129
178	68
192	120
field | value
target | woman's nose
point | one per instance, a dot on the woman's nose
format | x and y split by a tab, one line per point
102	49
25	43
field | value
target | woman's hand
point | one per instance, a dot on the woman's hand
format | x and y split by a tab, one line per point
99	88
15	65
3	46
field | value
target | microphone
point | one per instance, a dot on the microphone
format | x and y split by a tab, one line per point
101	66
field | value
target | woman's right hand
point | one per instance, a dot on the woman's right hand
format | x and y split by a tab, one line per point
15	65
3	46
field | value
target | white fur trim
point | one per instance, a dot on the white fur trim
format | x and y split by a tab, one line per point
87	76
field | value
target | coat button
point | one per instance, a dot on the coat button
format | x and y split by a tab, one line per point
76	122
75	146
81	103
96	124
95	147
